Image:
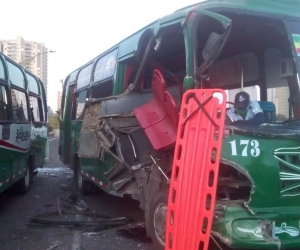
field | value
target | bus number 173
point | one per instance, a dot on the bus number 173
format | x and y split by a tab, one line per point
243	147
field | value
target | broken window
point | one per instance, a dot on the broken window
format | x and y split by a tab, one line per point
84	77
79	104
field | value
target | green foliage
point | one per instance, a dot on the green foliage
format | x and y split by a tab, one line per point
54	121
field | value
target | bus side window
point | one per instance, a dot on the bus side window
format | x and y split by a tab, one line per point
19	105
36	108
3	105
78	105
147	81
103	89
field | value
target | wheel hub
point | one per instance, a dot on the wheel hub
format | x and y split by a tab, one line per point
27	179
160	216
79	178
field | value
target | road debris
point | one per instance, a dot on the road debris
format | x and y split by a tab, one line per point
55	245
69	217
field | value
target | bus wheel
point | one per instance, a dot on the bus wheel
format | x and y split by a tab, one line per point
35	172
85	187
23	185
157	219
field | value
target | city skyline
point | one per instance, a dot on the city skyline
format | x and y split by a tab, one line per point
32	55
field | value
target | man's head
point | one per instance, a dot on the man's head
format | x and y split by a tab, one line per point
241	102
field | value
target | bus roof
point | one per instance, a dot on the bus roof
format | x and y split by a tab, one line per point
285	8
290	8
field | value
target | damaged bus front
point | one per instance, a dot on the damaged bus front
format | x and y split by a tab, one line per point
120	114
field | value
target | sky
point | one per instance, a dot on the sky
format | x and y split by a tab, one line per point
78	30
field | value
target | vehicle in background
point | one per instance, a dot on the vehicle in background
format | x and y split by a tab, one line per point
24	142
120	111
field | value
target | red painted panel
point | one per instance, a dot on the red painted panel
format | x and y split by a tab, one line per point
195	170
159	117
151	112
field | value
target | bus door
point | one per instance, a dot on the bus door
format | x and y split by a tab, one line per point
5	168
39	130
19	142
65	125
76	120
20	131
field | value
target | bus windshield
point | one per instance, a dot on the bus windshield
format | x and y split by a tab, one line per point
295	32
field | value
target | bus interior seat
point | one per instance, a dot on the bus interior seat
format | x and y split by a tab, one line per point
269	110
159	117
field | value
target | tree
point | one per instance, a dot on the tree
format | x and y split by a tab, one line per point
54	121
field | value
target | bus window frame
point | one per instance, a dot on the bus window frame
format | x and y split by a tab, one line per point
92	64
40	106
9	112
25	86
290	36
42	95
63	100
112	52
98	85
14	87
75	103
5	68
37	81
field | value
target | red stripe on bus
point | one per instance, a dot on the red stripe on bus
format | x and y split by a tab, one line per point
94	179
104	185
2	183
8	145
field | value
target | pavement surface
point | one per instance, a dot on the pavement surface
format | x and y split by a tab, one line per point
56	181
53	181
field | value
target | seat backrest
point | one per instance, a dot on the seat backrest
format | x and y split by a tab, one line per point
171	108
269	110
158	85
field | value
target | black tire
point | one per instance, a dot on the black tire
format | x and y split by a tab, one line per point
85	187
35	172
156	219
23	185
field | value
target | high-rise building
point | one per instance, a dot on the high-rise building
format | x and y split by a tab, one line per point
31	55
58	100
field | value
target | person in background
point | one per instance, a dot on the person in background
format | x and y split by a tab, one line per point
244	111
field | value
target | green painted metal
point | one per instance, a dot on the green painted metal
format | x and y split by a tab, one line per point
88	166
65	127
272	163
120	76
21	144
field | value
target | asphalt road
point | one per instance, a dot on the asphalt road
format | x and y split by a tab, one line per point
54	181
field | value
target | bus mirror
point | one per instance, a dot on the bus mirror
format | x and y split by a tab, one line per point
210	45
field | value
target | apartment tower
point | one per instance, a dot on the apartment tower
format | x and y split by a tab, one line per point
31	55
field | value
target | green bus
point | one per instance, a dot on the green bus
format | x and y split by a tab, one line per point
120	111
24	142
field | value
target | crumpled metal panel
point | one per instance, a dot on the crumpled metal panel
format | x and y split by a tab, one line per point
89	145
91	116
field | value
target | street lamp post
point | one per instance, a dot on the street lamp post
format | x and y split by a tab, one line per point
31	58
